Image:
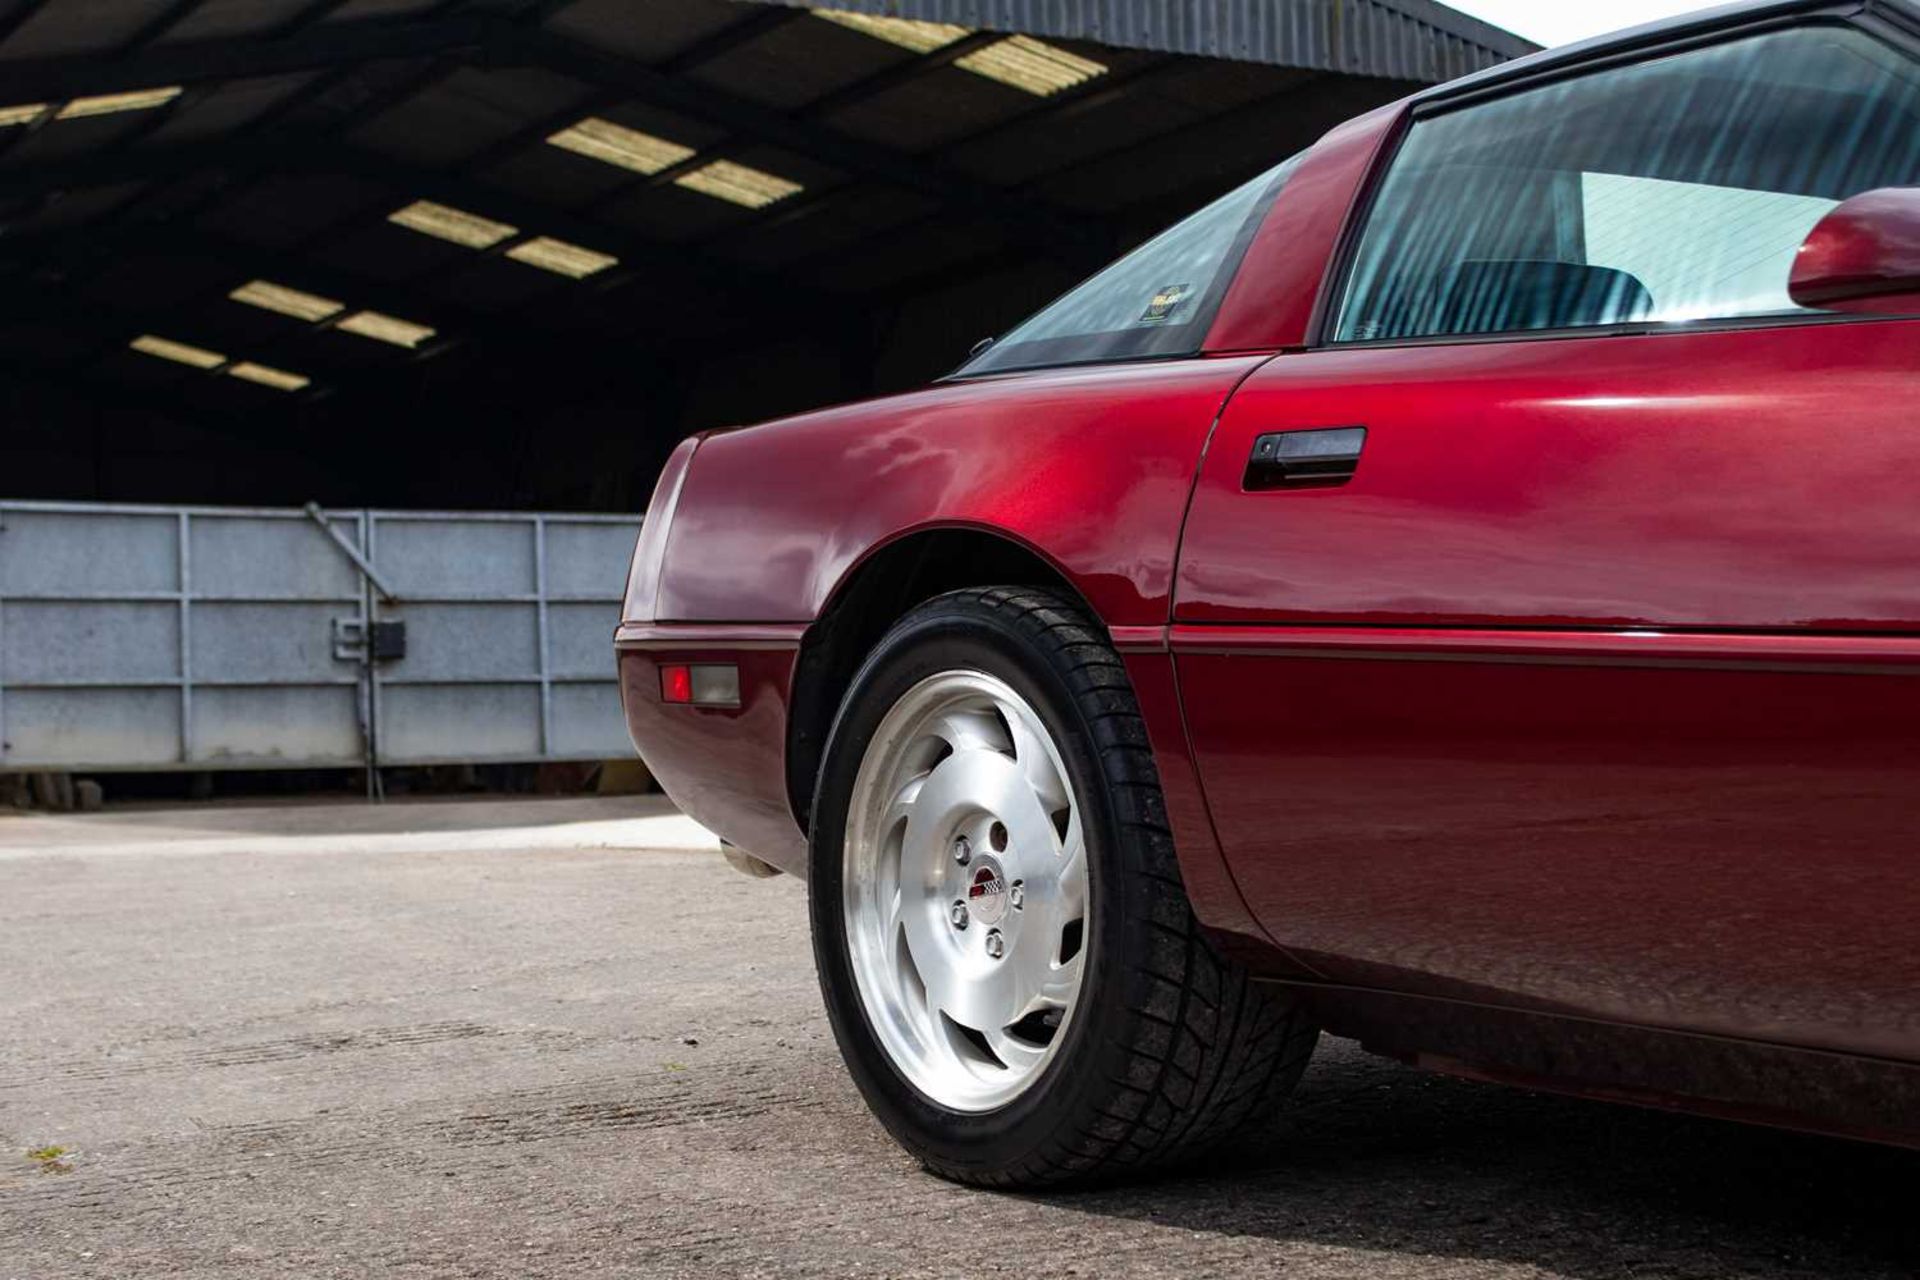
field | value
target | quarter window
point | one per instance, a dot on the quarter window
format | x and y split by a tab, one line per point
1675	190
1156	301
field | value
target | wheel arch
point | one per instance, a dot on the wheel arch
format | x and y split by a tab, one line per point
892	577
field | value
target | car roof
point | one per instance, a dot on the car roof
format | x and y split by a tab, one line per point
1703	22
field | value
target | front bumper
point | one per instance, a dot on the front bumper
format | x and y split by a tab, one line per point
724	766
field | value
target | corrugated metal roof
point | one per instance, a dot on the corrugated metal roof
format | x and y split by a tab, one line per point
1417	40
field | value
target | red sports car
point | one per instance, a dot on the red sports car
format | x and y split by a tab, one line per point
1460	590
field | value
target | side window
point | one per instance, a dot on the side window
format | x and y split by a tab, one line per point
1674	190
1156	301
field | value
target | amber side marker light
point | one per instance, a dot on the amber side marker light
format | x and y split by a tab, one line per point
703	685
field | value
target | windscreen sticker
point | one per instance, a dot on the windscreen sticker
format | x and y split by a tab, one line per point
1167	303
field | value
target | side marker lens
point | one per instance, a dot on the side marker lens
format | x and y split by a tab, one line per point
701	685
716	686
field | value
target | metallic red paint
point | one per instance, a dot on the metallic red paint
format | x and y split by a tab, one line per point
1274	298
649	552
1703	836
1419	789
724	766
1570	742
1864	256
1748	479
1202	867
772	519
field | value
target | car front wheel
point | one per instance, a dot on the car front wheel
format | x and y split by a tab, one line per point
1009	960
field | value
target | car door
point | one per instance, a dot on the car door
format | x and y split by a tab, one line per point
1549	631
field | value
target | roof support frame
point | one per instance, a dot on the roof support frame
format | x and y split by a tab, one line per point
318	86
437	70
1390	39
117	320
639	258
161	23
310	154
1024	219
322	47
23	13
455	34
307	43
106	327
155	119
721	42
1074	100
486	40
859	91
83	251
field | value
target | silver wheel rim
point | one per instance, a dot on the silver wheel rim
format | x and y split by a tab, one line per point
965	890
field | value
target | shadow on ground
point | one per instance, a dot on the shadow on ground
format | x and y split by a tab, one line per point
1380	1158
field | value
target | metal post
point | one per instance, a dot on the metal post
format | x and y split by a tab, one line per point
185	528
369	672
376	789
6	747
546	658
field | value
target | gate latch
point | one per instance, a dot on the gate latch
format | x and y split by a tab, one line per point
355	640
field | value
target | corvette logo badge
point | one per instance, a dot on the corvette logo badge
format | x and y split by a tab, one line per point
987	894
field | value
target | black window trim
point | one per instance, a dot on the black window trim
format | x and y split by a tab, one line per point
1661	42
1884	23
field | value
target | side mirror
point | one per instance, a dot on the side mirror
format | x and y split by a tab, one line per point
1863	257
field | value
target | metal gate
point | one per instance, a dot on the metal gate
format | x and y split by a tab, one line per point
138	637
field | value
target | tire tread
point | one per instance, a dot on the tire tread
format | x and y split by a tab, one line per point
1226	1050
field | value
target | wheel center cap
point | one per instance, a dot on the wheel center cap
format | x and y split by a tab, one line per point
987	892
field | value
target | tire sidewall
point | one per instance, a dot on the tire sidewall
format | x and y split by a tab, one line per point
955	634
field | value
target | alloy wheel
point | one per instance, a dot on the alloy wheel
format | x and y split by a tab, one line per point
965	890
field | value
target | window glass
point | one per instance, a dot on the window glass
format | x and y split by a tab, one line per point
1158	300
1674	190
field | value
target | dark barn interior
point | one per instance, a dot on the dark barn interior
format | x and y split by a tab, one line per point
502	254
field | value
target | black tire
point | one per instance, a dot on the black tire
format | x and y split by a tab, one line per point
1170	1048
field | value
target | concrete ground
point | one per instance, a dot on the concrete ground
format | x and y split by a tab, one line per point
560	1038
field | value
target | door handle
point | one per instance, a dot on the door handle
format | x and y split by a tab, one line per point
1305	459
